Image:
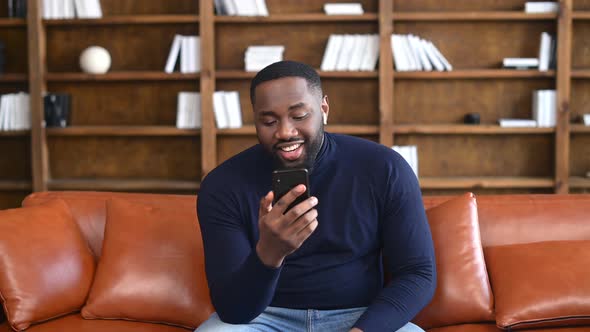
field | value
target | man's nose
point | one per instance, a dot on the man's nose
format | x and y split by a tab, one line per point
286	130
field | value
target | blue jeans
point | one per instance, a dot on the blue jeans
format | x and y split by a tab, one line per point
275	319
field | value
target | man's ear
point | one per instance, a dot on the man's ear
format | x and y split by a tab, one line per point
325	109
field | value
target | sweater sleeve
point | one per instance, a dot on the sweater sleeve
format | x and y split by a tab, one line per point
241	286
408	253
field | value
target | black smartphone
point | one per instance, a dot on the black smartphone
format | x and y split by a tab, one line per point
286	179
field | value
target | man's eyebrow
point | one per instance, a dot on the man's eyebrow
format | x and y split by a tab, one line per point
296	106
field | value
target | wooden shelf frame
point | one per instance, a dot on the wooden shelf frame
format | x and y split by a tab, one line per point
206	23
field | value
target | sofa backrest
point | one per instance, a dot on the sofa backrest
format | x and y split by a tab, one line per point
514	219
89	208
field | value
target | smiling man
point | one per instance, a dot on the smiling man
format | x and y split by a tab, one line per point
317	267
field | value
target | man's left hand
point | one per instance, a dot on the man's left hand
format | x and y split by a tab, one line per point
354	329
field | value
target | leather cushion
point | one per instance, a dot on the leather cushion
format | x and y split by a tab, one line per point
76	323
542	284
152	266
46	267
463	293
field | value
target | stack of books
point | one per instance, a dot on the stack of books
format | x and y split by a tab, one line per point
412	53
544	108
188	49
410	154
188	110
15	113
17	8
351	52
545	60
69	9
538	7
226	106
258	57
241	7
353	8
517	123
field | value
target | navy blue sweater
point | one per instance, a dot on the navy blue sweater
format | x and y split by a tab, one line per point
369	204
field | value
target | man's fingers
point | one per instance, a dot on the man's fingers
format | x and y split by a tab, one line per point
289	198
265	204
300	224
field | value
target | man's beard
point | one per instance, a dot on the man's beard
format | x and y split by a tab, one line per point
312	149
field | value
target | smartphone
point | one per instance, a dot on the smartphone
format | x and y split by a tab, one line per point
285	180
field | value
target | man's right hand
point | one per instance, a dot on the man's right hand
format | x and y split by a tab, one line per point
281	234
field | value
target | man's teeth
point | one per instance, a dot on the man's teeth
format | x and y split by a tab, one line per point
290	148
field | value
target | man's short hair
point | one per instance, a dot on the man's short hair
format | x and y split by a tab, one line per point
287	69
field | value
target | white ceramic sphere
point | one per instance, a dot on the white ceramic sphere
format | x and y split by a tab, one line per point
95	60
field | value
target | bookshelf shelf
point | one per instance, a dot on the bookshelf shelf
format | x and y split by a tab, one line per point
240	74
122	184
338	129
485	182
581	15
121	76
15	133
121	131
579	182
13	185
472	16
474	74
126	20
13	78
467	130
13	22
579	129
581	73
297	18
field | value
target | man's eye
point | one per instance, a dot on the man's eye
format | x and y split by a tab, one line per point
301	117
269	123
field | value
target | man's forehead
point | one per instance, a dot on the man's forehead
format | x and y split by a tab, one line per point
284	86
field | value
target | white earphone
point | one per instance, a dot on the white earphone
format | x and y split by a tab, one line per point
325	118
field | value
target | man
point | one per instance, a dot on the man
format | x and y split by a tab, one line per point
318	266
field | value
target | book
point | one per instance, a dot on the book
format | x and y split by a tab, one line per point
233	109
330	57
544	51
221	116
410	154
188	113
586	119
520	63
441	57
369	60
516	123
356	56
538	7
173	54
345	52
258	57
343	9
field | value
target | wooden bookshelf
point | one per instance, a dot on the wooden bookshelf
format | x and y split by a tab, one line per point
122	133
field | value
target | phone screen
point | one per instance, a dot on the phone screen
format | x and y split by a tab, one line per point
287	179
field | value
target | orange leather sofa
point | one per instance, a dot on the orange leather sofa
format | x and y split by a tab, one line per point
504	263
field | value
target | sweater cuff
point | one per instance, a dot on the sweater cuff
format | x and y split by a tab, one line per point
379	317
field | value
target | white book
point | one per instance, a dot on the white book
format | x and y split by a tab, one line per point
345	52
95	9
246	7
231	7
536	111
261	8
221	118
356	57
343	9
520	62
194	56
544	51
513	123
417	46
195	102
587	119
184	54
434	60
197	55
46	9
182	110
55	9
331	52
541	7
413	59
69	12
369	61
13	112
220	7
79	8
188	114
27	110
234	111
2	112
441	57
397	52
552	106
173	54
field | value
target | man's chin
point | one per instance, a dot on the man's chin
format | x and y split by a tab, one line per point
281	163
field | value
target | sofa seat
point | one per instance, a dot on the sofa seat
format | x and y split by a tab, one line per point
493	328
75	322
